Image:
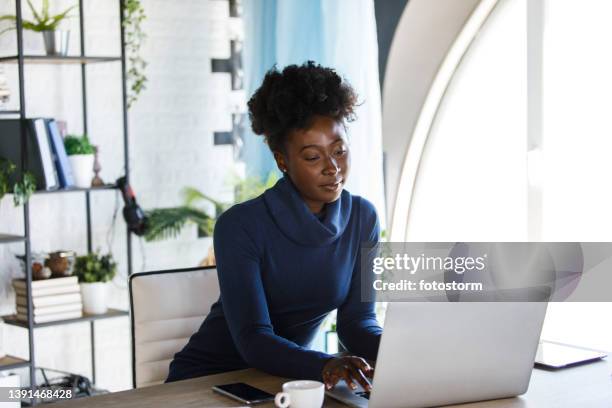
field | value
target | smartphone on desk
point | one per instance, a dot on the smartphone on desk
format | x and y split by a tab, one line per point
244	393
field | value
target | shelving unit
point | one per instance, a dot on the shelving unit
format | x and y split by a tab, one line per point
78	189
9	239
45	59
85	318
11	362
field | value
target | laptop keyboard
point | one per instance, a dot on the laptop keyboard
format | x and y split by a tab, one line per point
364	394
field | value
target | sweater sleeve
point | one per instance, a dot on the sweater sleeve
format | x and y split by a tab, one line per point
246	308
358	329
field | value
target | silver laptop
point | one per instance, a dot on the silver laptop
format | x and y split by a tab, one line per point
434	354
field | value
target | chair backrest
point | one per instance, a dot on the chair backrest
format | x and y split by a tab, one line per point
167	307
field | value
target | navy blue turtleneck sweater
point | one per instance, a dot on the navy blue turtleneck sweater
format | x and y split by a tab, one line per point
281	271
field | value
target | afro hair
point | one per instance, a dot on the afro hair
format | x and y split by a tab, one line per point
290	99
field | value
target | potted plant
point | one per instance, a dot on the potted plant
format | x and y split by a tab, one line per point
94	272
21	190
81	156
165	223
56	41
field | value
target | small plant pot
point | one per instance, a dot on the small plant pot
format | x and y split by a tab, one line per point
94	297
82	169
56	42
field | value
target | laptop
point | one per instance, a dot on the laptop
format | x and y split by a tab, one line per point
434	354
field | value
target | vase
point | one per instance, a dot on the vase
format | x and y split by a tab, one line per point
82	169
56	42
94	297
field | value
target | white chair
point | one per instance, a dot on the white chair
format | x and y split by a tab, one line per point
167	307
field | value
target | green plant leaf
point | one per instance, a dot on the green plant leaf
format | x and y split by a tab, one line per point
24	189
37	16
6	169
78	145
45	9
29	25
13	19
55	20
190	195
95	268
134	37
163	223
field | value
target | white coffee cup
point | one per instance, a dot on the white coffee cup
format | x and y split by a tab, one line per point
301	394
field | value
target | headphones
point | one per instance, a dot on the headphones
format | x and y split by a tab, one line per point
134	216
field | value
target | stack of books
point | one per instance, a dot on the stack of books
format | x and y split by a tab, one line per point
52	299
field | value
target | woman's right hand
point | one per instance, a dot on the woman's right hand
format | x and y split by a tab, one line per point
352	369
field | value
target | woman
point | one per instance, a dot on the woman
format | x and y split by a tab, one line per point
290	256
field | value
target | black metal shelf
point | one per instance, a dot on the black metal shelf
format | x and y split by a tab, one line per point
111	313
9	238
77	189
10	363
53	59
20	60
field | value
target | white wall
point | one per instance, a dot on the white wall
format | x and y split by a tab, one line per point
170	147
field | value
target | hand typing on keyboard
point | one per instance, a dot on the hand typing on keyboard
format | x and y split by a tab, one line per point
354	370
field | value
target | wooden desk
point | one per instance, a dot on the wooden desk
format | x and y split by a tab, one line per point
583	386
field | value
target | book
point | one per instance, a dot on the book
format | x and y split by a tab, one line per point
60	158
39	311
51	317
52	290
42	138
49	300
46	283
39	159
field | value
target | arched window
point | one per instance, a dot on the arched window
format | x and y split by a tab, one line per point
480	163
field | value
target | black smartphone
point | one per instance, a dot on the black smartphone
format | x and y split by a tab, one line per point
244	393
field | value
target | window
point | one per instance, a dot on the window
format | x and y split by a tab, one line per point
475	182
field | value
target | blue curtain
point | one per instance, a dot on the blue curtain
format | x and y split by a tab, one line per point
340	34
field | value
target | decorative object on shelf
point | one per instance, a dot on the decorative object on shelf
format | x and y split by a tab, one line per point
37	265
52	299
168	222
5	92
134	15
97	180
56	41
22	190
61	263
94	272
81	156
